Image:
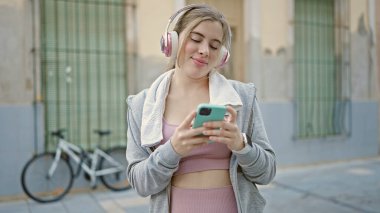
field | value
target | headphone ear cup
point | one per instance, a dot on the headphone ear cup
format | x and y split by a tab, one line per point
223	57
169	44
174	44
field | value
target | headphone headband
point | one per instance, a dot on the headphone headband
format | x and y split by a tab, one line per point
169	41
186	8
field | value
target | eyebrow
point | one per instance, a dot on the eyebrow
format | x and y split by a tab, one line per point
200	34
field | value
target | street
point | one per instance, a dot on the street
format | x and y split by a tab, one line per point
340	187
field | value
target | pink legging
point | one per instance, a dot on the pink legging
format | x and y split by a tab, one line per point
215	200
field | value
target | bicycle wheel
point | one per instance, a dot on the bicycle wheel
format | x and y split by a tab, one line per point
116	181
37	184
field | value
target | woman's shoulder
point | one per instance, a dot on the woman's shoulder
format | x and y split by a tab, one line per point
244	89
137	100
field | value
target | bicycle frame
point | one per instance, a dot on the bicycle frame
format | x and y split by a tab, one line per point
93	172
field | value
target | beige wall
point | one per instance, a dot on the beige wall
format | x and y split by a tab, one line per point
152	17
233	11
274	25
16	59
16	68
358	8
363	54
276	69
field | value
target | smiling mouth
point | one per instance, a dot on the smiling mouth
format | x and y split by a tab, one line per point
199	62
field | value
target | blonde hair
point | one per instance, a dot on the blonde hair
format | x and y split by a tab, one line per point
192	18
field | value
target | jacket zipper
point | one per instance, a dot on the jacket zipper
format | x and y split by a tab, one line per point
233	174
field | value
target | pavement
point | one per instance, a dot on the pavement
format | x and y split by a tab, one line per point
340	187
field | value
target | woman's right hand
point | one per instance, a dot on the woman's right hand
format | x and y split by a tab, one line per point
185	138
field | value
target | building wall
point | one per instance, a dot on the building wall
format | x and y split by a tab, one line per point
17	123
16	82
274	52
274	26
276	86
361	142
150	61
363	68
273	75
377	23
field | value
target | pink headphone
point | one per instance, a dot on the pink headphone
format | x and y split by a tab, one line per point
169	41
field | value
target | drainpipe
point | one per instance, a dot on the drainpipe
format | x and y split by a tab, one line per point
33	52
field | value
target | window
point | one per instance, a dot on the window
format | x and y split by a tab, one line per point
321	65
83	62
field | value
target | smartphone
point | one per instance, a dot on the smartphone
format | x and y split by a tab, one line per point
209	112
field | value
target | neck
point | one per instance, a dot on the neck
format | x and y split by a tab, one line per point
183	84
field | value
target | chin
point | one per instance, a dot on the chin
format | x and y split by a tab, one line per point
195	72
198	75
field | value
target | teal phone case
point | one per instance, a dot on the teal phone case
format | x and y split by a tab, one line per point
209	112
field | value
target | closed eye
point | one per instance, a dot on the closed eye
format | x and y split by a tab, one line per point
215	44
213	47
196	40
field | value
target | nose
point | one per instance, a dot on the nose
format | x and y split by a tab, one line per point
204	49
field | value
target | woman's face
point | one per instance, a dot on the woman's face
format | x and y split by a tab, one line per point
201	49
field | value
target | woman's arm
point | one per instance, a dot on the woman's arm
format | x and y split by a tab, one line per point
259	163
148	173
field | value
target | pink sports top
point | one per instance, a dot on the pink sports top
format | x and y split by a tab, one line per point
210	157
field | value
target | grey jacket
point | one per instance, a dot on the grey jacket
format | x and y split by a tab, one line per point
150	172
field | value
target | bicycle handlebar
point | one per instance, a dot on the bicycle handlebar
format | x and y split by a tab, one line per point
59	133
102	132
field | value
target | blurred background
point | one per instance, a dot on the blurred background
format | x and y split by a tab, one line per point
71	64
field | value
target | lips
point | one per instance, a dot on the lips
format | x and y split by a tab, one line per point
200	62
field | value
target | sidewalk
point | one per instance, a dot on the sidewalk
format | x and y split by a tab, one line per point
350	186
91	202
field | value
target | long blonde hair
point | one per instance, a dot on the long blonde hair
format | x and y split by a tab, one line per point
194	16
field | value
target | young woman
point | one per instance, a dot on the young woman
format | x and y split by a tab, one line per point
172	162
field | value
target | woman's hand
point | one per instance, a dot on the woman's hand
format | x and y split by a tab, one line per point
226	131
185	138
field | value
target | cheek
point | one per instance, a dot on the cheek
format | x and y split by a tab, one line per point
214	57
186	52
189	48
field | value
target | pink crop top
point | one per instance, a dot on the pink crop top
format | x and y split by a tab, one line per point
210	157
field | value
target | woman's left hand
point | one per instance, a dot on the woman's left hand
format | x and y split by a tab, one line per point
226	131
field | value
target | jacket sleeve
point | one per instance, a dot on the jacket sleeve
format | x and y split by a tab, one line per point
259	163
148	173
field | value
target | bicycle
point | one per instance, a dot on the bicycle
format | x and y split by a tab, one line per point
48	177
